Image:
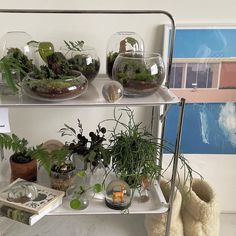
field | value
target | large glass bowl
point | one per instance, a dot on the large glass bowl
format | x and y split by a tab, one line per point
86	61
121	42
55	90
141	74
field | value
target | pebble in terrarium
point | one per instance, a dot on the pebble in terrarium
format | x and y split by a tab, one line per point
118	195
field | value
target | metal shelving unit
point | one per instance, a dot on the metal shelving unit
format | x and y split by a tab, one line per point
93	97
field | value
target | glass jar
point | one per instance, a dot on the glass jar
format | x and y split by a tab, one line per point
55	90
15	39
86	61
141	74
121	42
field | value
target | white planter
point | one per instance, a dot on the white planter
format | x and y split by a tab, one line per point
200	210
155	224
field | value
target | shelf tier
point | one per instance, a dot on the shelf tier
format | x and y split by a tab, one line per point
155	205
93	97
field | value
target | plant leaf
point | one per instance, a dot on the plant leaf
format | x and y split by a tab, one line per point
97	188
75	204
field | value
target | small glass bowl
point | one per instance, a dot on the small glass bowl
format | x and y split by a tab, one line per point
86	61
141	74
121	42
55	90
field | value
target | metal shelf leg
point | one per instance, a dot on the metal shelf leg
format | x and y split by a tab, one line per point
175	165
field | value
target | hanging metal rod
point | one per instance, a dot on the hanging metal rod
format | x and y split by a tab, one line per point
53	11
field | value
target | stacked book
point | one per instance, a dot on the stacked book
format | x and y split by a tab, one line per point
28	202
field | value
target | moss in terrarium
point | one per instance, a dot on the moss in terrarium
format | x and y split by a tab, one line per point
110	62
79	62
48	84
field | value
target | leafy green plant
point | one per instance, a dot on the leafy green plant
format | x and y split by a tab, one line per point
22	153
92	149
84	60
15	60
111	57
77	45
75	202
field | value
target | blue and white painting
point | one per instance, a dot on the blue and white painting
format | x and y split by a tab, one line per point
204	73
208	128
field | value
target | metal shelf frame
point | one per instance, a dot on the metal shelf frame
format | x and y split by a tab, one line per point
169	65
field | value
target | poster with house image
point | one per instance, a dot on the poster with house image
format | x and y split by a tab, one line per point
204	73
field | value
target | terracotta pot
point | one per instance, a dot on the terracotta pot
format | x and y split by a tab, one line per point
26	171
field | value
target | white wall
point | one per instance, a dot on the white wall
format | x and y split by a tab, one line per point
43	123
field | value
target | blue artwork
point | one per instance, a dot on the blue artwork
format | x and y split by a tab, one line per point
205	43
208	128
204	73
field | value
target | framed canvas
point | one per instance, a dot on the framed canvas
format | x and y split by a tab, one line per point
204	73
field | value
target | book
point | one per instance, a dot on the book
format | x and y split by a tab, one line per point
30	197
24	216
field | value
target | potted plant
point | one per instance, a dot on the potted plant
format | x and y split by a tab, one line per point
91	151
59	167
22	161
135	153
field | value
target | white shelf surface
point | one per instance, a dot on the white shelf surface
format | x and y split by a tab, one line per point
93	97
155	205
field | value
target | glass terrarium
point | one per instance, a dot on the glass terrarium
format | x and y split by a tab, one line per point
13	47
83	59
15	39
118	195
141	74
121	42
55	90
63	177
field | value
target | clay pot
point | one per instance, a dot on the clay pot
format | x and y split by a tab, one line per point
26	171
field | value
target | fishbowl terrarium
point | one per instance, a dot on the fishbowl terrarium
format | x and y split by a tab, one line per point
82	58
55	90
141	74
118	195
121	42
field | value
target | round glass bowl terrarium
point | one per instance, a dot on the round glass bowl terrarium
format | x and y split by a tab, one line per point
84	60
141	74
118	195
121	42
55	90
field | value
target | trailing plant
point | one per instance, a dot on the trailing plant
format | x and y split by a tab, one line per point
136	152
92	149
75	202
